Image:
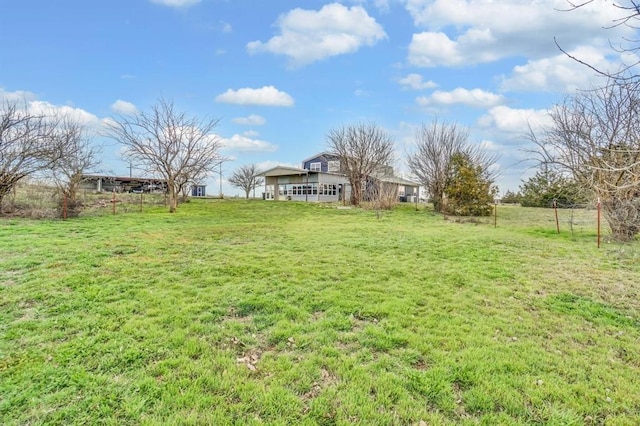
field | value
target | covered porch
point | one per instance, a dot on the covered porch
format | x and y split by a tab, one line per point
284	183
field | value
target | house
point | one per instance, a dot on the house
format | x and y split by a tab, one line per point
321	179
293	184
405	190
330	163
198	190
106	183
323	162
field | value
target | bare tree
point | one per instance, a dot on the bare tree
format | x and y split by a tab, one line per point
27	145
630	47
246	178
169	143
79	156
436	145
595	138
364	150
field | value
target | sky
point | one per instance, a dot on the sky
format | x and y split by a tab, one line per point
280	74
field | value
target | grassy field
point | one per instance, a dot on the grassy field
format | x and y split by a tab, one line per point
234	312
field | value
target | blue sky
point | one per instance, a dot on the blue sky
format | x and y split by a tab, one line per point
281	73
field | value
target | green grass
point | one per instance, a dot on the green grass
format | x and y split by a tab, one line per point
234	312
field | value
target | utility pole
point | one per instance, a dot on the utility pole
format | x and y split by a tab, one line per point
220	179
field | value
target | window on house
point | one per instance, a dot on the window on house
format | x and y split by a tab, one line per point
333	166
328	189
315	167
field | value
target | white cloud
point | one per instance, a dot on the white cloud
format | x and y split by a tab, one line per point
307	36
123	107
557	73
267	96
176	3
489	145
244	143
433	49
512	120
17	96
250	133
382	5
251	120
476	98
415	82
44	108
226	27
464	32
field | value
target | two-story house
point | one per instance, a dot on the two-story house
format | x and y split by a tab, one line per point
321	179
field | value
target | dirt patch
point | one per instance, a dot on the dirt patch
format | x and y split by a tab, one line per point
29	311
250	359
7	279
317	316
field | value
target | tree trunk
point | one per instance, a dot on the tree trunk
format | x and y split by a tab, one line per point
247	191
5	189
438	204
356	193
173	197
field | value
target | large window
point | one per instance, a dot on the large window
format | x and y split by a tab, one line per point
333	166
315	167
309	189
328	189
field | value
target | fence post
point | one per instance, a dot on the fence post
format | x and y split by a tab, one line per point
495	214
555	209
141	202
113	201
64	206
599	215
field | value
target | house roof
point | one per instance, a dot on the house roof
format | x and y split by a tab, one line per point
122	178
284	171
319	154
397	180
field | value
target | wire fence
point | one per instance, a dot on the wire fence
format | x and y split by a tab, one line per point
40	202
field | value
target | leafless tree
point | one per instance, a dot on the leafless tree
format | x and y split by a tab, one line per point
595	138
381	195
246	178
435	147
168	143
364	150
630	18
79	155
27	145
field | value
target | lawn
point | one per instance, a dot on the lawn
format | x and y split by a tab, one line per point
252	312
